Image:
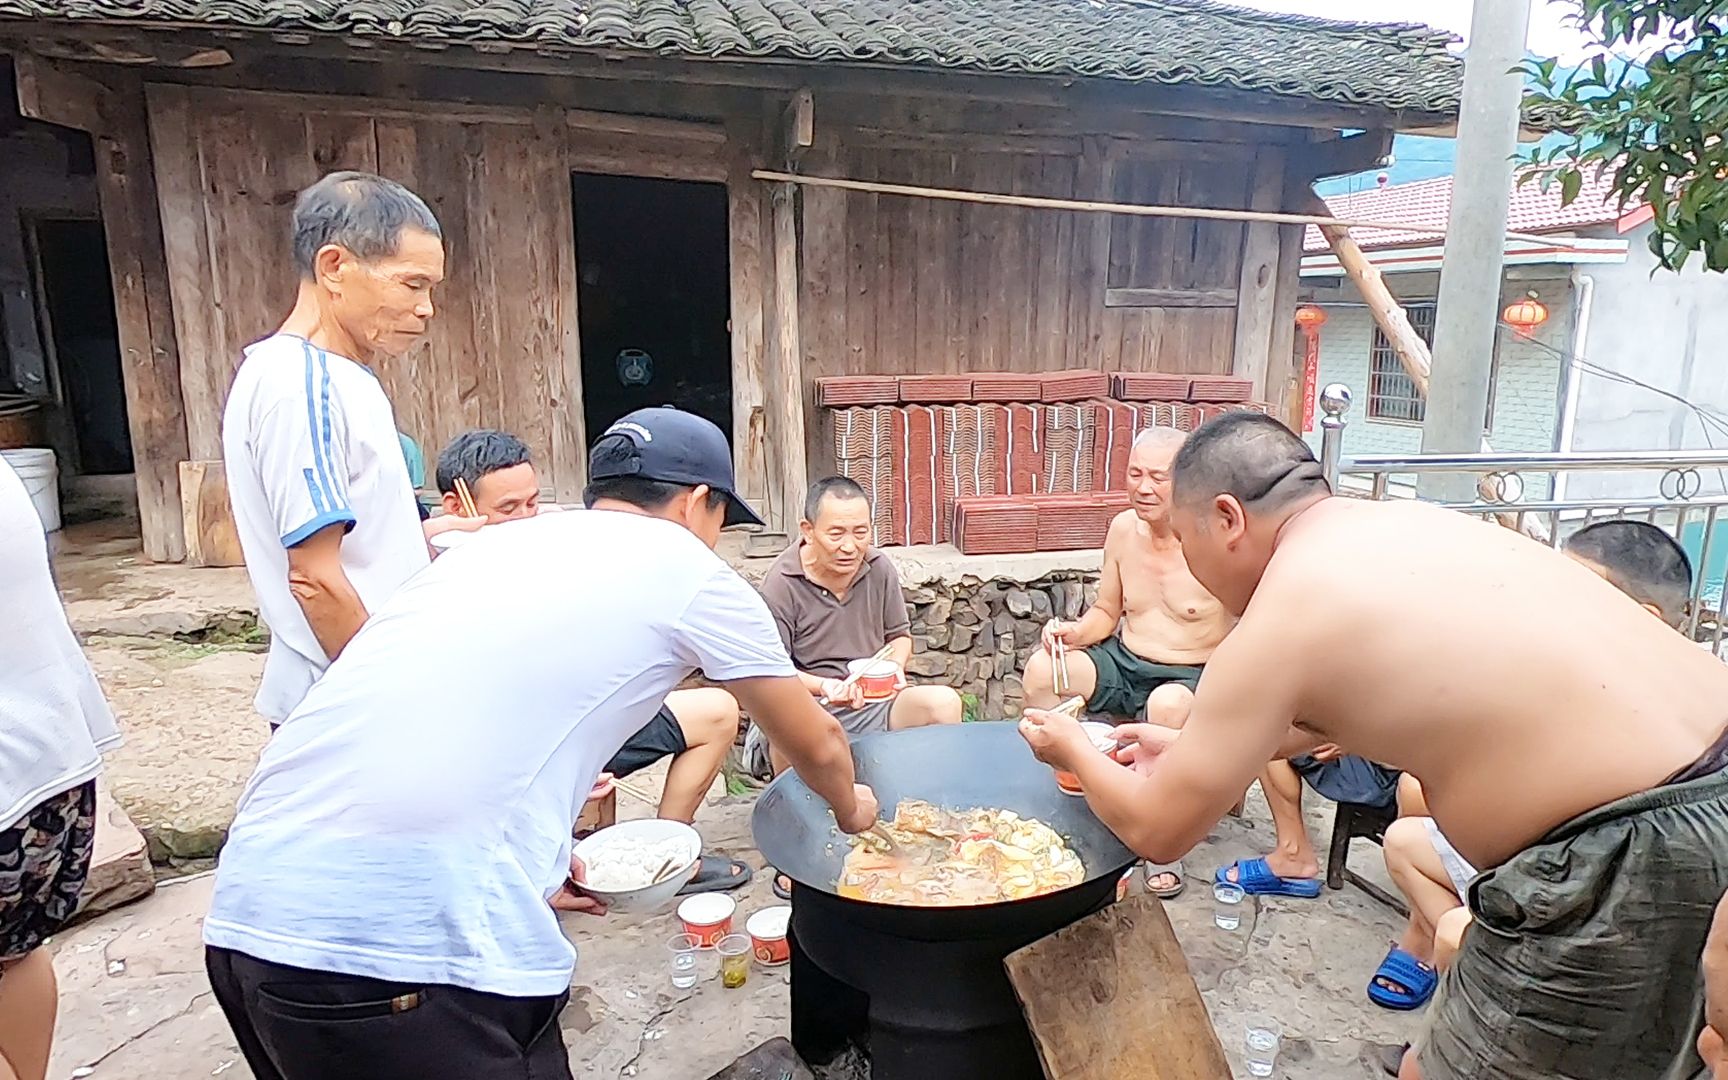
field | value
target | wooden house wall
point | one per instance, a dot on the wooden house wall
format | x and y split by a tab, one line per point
499	352
947	286
886	283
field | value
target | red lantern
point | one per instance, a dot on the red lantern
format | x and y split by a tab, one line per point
1526	315
1310	317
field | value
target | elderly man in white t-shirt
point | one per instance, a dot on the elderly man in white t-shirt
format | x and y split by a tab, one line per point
54	725
385	904
322	500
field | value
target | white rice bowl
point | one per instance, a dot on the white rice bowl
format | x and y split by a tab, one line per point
620	860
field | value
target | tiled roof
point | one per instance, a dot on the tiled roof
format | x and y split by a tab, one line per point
1429	202
1198	42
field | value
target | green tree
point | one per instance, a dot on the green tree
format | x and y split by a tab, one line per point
1656	129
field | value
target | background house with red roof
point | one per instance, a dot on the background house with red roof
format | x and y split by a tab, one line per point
1610	316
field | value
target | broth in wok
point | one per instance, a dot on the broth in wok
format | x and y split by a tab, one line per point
957	858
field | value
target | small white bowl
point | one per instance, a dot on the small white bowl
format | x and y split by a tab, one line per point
651	897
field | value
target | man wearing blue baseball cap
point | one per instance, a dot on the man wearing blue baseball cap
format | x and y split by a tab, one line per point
399	859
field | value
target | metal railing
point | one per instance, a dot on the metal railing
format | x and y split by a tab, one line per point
1675	504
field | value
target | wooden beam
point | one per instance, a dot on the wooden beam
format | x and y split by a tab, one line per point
1252	351
1412	352
46	92
568	421
1038	202
798	126
1126	297
744	213
785	388
1343	157
1283	375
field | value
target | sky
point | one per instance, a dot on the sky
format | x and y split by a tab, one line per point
1549	33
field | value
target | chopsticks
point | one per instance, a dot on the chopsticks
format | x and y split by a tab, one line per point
466	498
1059	668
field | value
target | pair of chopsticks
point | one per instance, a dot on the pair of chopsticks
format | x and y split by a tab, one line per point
1059	668
466	498
881	654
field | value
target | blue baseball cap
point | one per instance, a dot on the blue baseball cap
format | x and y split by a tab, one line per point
674	447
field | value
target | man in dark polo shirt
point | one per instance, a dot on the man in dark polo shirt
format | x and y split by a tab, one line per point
836	599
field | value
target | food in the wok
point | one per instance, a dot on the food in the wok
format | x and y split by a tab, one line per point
957	858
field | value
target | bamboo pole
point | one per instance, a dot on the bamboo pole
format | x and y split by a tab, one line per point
1039	202
1407	344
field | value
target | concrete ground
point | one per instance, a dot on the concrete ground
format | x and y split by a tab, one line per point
174	651
134	1001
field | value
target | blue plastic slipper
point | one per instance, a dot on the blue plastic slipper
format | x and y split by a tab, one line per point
1257	879
1413	982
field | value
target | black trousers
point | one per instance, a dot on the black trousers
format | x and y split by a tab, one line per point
294	1024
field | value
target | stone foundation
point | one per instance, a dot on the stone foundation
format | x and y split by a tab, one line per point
975	635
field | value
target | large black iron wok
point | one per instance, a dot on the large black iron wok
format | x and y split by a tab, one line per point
955	766
923	988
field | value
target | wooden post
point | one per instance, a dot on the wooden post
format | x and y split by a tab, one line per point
749	348
785	389
1256	297
115	117
1407	345
783	392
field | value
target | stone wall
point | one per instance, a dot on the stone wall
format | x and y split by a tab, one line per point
975	635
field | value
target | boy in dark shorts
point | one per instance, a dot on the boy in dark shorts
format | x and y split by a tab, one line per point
54	725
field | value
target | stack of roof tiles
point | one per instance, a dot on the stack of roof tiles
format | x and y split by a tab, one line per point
1397	67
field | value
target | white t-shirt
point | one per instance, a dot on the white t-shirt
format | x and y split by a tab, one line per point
54	722
310	441
411	819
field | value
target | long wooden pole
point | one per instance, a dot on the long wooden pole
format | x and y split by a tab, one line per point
1039	202
1407	344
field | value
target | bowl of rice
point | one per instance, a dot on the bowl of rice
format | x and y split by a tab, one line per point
620	862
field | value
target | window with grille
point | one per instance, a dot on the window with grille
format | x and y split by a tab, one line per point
1391	393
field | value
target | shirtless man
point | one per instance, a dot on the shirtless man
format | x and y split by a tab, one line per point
1537	704
1143	643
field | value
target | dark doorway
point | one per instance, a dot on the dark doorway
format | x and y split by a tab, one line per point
75	304
653	296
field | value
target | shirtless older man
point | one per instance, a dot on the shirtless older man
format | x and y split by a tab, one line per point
1567	742
1144	641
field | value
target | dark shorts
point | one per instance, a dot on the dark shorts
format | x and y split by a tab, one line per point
1349	779
294	1024
1583	963
1125	680
44	859
659	738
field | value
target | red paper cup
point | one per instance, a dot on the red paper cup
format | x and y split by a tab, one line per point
879	679
767	930
707	917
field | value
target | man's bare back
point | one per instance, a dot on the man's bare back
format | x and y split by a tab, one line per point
1520	688
1167	616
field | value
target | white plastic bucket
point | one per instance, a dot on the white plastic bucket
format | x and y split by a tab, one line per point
41	475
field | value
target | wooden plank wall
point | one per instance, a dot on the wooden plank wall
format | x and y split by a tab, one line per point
934	286
229	165
901	285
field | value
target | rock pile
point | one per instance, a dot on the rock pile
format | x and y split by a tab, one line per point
975	635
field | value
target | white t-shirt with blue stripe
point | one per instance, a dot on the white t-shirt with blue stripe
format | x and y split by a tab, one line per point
310	441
